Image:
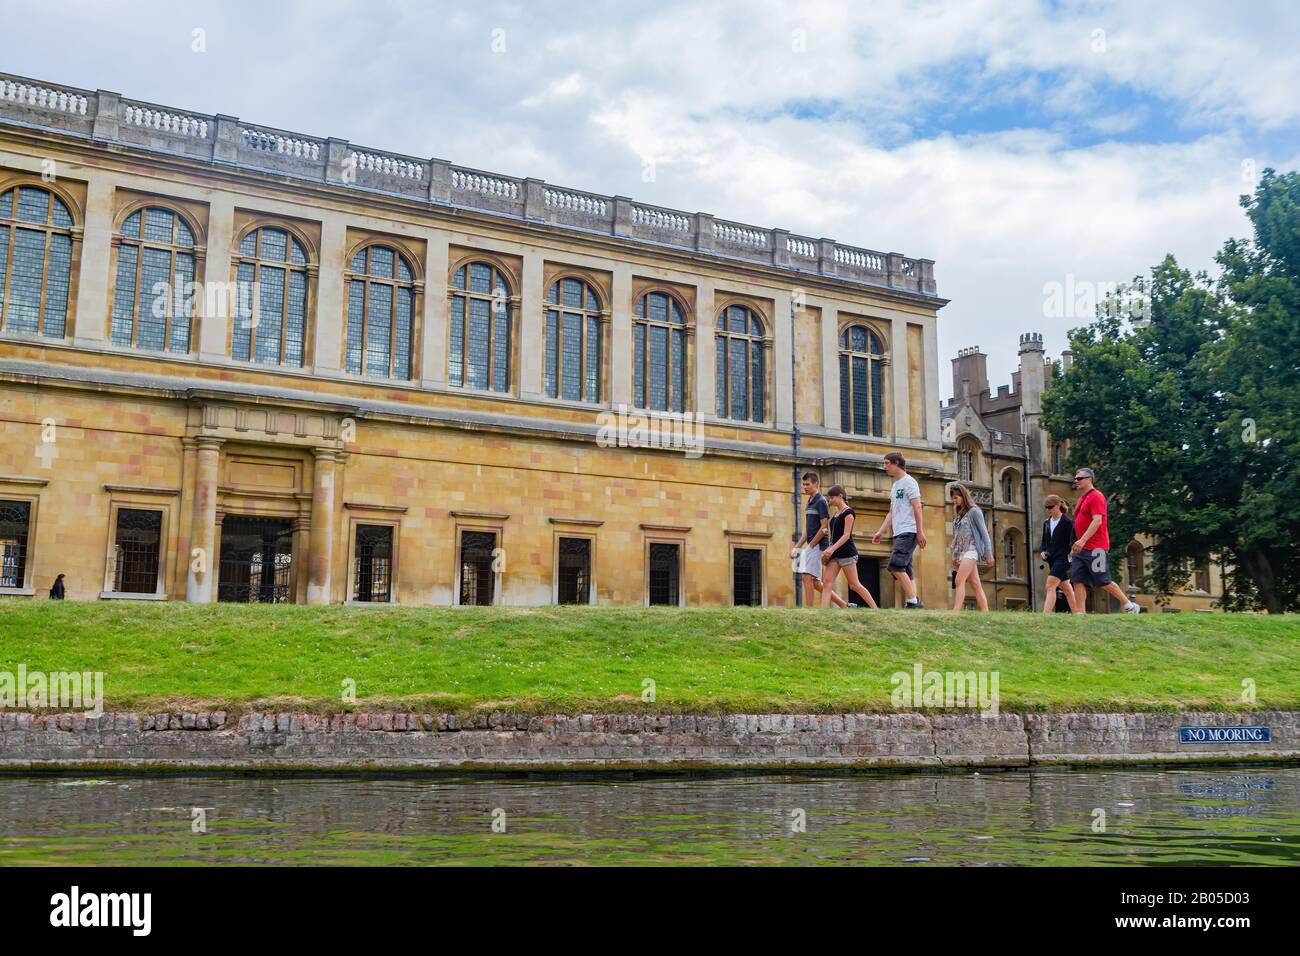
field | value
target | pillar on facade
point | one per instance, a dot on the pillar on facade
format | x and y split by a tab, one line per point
320	555
199	583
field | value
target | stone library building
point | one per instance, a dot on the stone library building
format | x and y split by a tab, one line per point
240	363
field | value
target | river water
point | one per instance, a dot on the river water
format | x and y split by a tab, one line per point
1227	815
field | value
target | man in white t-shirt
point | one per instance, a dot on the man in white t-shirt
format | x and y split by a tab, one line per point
905	518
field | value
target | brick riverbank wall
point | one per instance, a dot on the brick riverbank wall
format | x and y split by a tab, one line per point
502	741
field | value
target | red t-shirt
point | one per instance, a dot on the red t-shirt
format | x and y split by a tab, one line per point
1090	505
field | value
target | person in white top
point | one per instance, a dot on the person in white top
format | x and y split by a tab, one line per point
905	518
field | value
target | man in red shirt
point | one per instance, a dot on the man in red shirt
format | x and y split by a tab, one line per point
1089	553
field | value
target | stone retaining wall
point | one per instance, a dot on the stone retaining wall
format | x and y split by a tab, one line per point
213	740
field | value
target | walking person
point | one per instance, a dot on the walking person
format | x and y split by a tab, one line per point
971	545
1089	553
904	518
1054	548
57	590
808	549
842	554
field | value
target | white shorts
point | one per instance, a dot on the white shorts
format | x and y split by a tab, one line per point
971	556
810	562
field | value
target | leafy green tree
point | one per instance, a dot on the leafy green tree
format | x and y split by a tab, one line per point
1187	404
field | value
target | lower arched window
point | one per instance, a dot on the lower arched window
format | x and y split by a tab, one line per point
862	382
967	455
35	262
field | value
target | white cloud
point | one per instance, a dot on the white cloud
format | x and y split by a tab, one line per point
820	117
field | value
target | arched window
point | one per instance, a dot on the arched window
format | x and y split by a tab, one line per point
741	374
381	313
1009	487
1133	563
152	298
862	382
1057	456
572	360
1010	559
35	262
271	299
478	350
659	353
967	456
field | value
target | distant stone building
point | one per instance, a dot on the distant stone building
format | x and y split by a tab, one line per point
392	385
996	444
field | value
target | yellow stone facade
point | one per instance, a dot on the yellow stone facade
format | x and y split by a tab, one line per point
205	440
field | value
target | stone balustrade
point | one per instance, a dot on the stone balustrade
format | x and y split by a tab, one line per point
106	116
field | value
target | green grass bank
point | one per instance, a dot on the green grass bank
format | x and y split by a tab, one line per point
570	660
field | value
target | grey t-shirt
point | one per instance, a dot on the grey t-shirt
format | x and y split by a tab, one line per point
904	491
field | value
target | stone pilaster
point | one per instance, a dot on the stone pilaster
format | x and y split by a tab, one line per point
202	574
320	556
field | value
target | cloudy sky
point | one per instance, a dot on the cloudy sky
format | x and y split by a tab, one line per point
1017	143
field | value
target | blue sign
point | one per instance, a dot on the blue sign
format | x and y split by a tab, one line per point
1224	735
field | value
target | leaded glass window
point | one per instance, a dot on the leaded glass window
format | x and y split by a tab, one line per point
741	359
571	367
137	548
659	353
862	382
479	329
153	297
373	564
271	299
381	314
15	526
35	262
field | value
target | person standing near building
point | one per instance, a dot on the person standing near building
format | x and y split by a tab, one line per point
1054	548
1089	555
905	519
57	590
842	554
971	545
808	549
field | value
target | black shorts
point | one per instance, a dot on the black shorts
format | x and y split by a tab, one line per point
1060	568
1090	568
900	559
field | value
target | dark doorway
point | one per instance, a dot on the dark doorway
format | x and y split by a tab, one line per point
573	583
869	575
256	560
746	577
665	568
477	576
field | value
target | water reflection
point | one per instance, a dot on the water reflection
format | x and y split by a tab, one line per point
1182	816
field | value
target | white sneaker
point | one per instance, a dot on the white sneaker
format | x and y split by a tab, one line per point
1133	608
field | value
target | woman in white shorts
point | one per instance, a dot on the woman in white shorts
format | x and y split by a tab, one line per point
970	545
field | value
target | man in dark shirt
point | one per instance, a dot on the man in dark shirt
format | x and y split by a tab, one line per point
807	551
